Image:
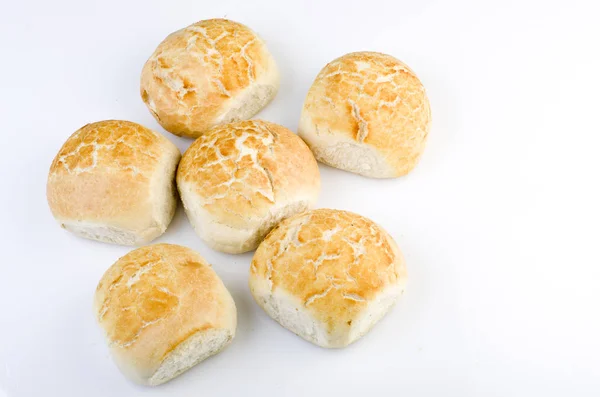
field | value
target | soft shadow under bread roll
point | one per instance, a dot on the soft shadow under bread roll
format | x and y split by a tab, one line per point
114	181
212	72
163	310
367	113
327	275
239	180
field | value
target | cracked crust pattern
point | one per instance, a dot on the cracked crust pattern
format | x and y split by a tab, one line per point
107	146
197	71
156	297
240	173
372	99
333	262
104	173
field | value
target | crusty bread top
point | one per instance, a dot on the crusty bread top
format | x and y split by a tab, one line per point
111	145
155	297
241	170
375	99
103	170
195	70
334	262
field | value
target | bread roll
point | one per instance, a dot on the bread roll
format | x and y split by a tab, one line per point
212	72
366	113
239	180
163	310
327	275
113	181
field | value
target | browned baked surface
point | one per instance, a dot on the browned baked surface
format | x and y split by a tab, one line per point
372	99
196	71
242	170
334	262
103	172
155	297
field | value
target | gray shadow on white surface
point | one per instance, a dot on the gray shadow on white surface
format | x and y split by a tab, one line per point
245	316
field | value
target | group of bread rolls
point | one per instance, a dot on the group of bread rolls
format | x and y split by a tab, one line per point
326	275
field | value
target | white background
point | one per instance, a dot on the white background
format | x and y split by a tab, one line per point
499	222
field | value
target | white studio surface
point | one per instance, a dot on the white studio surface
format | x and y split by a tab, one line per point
499	222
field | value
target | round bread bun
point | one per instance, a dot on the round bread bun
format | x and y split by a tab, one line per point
327	275
212	72
367	113
114	181
239	180
163	310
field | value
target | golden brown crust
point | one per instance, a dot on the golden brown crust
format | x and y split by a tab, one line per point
195	71
242	170
154	298
334	262
371	99
107	146
102	174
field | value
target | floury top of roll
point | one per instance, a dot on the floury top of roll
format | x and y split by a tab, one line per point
212	72
238	180
163	309
114	181
327	275
367	113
